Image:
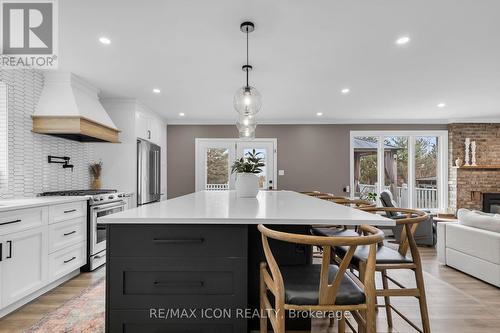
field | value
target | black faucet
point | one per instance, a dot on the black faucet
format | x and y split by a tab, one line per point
64	160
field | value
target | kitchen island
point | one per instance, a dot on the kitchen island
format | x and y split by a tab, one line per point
190	264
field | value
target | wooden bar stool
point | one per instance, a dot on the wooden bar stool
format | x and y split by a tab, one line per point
319	288
389	259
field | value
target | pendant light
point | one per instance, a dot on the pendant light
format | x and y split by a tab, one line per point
247	101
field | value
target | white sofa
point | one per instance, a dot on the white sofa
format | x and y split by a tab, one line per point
472	250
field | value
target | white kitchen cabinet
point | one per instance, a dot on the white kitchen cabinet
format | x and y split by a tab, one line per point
149	127
142	125
27	235
24	264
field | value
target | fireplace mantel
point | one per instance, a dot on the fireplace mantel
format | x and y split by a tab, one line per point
480	167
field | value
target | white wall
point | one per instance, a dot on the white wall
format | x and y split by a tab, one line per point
120	160
29	173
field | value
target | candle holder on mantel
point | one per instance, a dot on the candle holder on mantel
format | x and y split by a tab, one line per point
473	149
467	150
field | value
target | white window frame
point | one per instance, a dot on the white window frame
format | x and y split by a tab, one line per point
200	155
442	165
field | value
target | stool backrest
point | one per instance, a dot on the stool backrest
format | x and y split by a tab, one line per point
327	290
408	218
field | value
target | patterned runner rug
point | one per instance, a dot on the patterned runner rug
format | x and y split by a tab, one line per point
83	313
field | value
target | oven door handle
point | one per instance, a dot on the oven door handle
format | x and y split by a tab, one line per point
100	208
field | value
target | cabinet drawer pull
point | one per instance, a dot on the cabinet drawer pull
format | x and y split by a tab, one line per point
10	222
10	250
69	211
179	283
66	261
70	233
179	241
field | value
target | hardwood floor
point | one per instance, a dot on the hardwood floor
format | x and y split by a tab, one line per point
28	315
457	302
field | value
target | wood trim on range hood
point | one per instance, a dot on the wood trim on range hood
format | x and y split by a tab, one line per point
75	128
69	108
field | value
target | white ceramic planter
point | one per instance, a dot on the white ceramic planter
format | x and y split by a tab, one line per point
246	185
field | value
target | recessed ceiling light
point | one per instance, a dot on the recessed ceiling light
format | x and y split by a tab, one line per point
402	40
156	90
345	90
105	40
441	105
182	114
319	114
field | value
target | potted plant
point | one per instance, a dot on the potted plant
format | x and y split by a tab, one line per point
370	196
95	169
246	169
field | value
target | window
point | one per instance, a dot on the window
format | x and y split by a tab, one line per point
214	158
412	165
3	137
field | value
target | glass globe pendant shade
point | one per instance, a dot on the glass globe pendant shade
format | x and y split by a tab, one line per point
247	101
246	121
246	127
247	133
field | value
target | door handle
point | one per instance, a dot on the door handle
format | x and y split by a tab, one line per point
66	261
69	211
10	222
70	233
179	283
1	255
10	250
179	241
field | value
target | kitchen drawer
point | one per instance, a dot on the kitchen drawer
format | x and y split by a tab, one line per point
67	260
144	321
177	282
67	233
67	211
22	219
177	241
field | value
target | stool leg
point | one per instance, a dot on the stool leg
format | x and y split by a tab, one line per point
422	299
362	269
262	295
342	324
387	299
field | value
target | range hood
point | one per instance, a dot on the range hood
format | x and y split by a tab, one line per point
69	108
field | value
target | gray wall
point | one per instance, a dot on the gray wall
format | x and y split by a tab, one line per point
314	157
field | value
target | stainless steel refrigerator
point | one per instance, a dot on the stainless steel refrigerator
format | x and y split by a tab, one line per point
148	172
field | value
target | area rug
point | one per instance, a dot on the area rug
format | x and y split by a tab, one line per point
83	313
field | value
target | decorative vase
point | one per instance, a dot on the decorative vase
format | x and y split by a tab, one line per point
96	184
246	185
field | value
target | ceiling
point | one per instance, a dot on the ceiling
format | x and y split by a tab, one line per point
303	53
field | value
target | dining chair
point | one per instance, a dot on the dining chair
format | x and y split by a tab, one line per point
388	259
319	288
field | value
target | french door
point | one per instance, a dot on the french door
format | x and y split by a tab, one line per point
412	165
214	158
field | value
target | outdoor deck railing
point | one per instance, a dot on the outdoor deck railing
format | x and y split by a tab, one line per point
217	187
425	197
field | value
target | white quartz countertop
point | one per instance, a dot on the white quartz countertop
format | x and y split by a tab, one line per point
20	203
224	207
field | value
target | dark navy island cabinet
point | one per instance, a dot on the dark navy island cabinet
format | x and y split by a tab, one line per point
186	278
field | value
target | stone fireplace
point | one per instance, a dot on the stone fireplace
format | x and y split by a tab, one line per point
468	186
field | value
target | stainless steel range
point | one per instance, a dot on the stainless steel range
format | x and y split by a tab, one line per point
100	203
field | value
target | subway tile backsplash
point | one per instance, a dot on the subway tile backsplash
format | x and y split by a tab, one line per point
29	173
